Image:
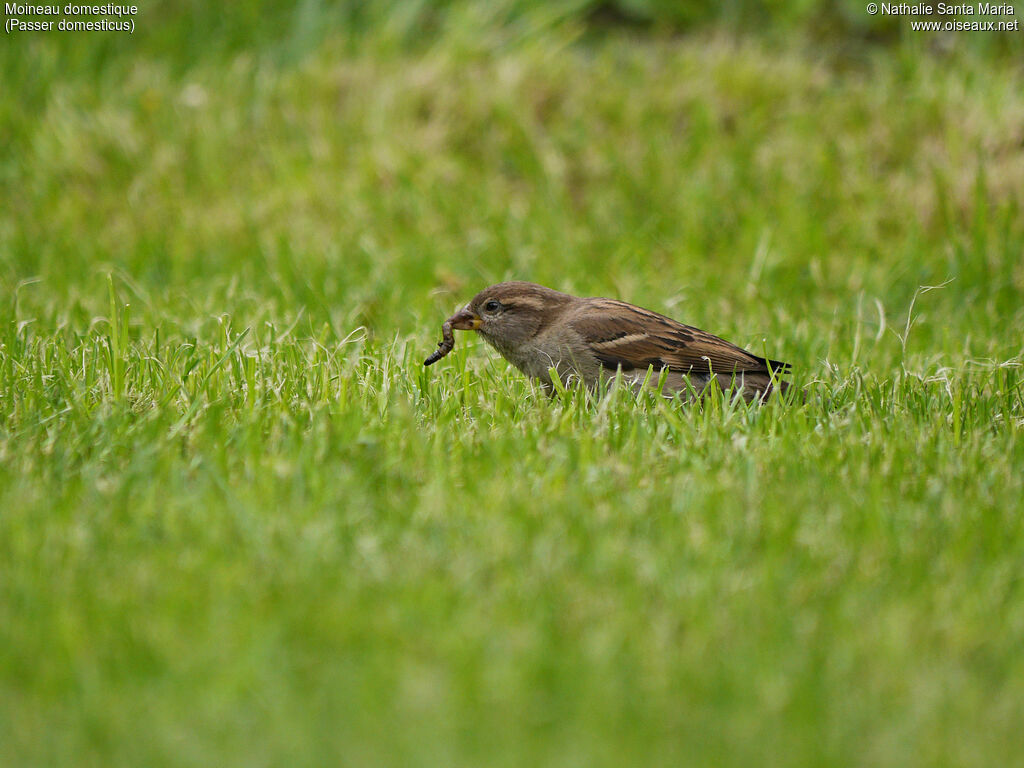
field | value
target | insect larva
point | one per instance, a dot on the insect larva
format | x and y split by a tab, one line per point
445	345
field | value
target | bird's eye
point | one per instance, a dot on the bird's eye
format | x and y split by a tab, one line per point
492	306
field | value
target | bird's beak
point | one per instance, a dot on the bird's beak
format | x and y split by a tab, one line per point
464	320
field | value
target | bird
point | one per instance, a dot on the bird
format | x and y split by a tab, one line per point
540	330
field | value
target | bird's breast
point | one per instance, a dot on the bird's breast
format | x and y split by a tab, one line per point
567	354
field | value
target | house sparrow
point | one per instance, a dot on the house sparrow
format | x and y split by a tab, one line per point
538	329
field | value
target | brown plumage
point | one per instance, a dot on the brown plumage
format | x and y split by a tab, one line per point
538	329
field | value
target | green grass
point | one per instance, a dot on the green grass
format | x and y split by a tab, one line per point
240	524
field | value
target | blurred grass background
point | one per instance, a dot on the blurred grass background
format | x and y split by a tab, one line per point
241	524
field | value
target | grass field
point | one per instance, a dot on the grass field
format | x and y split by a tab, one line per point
240	524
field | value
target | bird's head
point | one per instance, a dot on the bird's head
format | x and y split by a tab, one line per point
509	314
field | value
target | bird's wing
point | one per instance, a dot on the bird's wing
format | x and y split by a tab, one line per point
622	335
